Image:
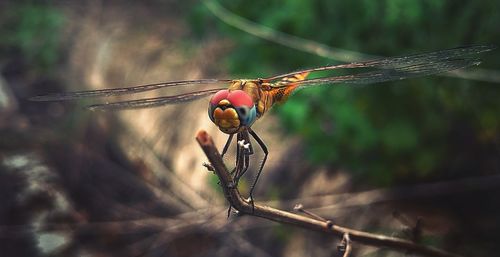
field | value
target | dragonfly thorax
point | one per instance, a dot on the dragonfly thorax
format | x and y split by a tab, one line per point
232	111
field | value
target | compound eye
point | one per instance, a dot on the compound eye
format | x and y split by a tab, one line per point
239	98
219	96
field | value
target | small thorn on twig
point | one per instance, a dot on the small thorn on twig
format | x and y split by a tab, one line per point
345	245
300	208
209	167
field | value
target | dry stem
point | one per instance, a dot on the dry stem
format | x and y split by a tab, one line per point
244	207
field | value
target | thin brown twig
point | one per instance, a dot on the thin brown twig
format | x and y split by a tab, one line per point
300	208
244	207
346	245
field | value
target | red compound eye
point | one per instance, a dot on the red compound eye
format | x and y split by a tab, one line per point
239	98
219	96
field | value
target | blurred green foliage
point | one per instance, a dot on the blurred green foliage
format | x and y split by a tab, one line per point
404	130
31	30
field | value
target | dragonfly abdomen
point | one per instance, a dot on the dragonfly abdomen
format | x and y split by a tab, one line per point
286	86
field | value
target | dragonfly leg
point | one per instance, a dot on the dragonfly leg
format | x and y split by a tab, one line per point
224	150
266	152
238	153
246	149
246	164
226	146
246	137
243	162
239	165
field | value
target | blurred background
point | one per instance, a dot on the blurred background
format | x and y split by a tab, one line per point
380	158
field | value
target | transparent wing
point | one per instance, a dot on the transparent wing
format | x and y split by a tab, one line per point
400	73
393	68
123	90
154	102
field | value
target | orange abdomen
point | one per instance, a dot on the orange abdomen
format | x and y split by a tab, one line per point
278	92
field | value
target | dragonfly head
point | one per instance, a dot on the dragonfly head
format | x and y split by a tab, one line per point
232	111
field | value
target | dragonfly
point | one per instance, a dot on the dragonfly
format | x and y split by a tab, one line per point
235	107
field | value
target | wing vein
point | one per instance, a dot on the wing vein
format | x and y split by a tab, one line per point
123	90
384	75
394	63
153	102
